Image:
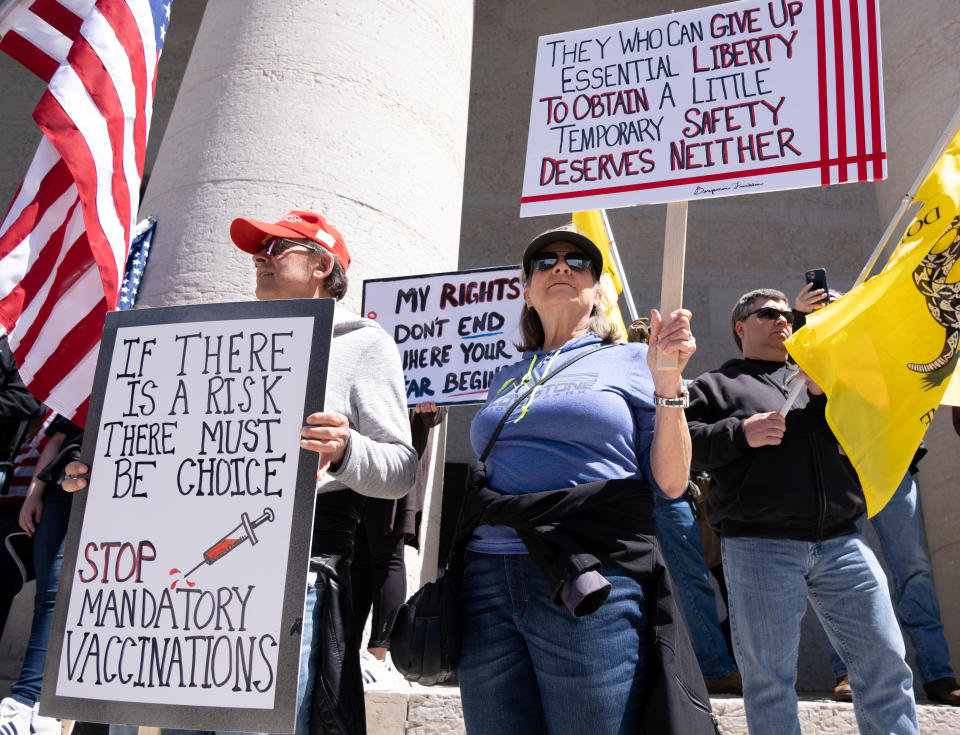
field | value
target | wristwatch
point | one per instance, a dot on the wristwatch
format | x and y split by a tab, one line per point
681	401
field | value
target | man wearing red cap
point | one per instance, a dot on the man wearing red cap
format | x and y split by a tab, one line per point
363	439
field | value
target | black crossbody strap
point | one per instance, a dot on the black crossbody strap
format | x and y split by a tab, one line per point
543	379
452	551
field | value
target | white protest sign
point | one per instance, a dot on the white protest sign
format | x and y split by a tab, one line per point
453	330
730	99
185	566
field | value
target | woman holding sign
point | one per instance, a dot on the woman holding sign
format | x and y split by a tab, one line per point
566	516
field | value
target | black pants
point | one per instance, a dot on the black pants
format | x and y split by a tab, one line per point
11	578
379	577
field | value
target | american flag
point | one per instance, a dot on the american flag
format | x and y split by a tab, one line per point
25	463
64	240
136	263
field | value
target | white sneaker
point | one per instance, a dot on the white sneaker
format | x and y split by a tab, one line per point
14	717
44	725
373	671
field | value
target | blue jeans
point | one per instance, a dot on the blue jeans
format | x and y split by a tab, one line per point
899	528
47	558
308	664
679	537
528	666
769	583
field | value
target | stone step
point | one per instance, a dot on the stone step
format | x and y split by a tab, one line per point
417	710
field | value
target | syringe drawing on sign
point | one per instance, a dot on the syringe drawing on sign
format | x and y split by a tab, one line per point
242	532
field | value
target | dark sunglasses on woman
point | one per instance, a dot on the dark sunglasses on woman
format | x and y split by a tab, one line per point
546	261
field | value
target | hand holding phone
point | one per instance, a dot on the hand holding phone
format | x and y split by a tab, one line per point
815	294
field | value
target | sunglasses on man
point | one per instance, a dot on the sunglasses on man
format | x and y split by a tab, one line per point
769	313
546	261
279	245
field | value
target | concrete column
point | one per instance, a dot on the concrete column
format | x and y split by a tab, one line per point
353	108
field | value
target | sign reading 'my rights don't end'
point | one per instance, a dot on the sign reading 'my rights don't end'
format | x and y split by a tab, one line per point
453	330
738	98
185	564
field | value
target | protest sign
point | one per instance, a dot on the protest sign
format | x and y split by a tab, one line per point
182	591
730	99
453	330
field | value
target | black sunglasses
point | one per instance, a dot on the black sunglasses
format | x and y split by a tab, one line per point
546	261
771	314
279	245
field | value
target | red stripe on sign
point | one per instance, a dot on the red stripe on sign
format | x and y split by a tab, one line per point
858	87
876	114
826	163
60	17
35	60
840	87
822	85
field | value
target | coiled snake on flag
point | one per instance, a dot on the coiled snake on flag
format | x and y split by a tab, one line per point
943	299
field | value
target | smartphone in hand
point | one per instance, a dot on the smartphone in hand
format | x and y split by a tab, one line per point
818	277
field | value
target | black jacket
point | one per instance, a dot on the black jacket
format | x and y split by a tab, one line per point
802	489
567	532
17	406
336	702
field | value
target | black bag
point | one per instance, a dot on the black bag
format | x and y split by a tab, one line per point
425	637
425	640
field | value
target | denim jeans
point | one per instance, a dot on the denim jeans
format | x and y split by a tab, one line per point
47	558
899	528
528	666
308	663
679	537
770	581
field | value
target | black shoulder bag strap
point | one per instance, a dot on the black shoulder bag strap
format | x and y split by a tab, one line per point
452	552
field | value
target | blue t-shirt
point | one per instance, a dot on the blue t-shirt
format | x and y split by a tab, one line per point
593	421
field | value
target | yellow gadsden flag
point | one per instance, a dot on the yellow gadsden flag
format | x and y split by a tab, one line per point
885	352
591	224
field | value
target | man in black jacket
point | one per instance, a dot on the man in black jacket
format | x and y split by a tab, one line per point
786	500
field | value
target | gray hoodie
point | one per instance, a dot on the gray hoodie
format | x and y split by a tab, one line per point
365	384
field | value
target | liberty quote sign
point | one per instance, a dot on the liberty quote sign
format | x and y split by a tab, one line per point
731	99
185	569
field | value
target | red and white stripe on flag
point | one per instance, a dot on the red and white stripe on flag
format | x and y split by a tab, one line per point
851	96
25	463
64	239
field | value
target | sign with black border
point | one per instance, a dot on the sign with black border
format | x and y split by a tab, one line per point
454	330
184	573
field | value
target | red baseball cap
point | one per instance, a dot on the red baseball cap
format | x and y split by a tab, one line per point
248	234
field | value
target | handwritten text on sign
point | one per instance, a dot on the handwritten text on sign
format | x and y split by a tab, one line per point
738	98
453	330
180	574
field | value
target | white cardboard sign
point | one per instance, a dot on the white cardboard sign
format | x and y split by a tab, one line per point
453	330
185	562
740	98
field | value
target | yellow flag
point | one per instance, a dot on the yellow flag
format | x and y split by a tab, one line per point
591	224
885	352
